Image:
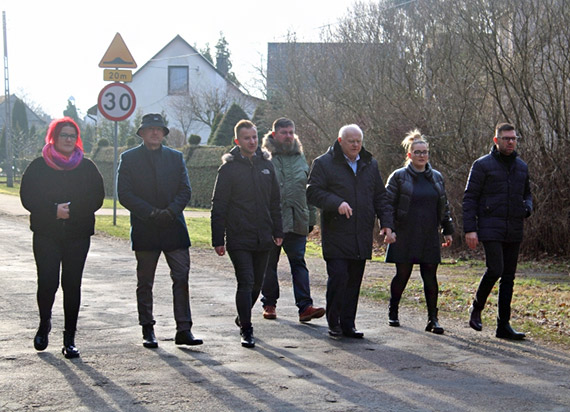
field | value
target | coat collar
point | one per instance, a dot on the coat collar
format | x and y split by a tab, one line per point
272	146
338	155
427	173
235	154
495	152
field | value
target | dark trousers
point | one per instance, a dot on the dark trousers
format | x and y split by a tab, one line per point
179	264
294	246
343	289
249	267
428	272
50	255
501	260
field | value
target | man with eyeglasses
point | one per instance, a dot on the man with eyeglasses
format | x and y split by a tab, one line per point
346	185
496	201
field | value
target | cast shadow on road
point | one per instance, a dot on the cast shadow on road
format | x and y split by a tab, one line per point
340	385
502	347
83	389
224	393
477	384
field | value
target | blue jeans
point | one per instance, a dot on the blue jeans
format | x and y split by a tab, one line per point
294	246
501	260
249	267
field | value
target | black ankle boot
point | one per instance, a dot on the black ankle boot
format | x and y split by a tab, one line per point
393	316
505	331
69	350
433	324
247	339
149	340
475	319
41	338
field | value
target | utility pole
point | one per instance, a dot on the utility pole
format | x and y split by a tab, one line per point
8	121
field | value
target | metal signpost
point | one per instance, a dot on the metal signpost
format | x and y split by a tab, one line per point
117	101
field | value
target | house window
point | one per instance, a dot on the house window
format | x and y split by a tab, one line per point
177	79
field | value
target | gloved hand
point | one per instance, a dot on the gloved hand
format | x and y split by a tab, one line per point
162	216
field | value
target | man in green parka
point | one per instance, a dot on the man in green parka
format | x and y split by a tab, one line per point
292	170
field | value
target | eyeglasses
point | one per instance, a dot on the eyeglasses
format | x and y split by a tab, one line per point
421	152
67	136
509	139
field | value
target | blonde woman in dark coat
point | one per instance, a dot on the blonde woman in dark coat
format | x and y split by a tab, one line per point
417	195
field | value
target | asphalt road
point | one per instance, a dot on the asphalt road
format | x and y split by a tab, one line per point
294	366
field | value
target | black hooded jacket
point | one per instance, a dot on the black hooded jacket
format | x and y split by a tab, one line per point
246	210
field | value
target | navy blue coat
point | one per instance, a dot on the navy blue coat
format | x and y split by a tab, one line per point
332	181
497	198
246	203
155	179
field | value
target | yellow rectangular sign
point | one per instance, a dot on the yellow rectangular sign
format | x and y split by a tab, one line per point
117	75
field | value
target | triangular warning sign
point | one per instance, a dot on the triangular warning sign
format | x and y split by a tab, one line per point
118	55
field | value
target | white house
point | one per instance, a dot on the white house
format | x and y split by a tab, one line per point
33	119
189	89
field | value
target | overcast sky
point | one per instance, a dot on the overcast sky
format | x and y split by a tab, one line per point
54	47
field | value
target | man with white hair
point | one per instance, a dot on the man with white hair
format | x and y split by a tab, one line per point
346	185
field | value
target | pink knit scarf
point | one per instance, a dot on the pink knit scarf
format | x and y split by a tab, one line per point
58	161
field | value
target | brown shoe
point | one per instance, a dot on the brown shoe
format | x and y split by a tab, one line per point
311	313
269	312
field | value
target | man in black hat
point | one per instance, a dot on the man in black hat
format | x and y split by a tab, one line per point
153	184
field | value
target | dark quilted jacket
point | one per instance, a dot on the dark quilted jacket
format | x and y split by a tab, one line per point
400	188
497	198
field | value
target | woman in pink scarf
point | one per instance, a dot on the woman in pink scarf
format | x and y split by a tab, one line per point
61	190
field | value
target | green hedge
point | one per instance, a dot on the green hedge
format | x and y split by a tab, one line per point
202	163
203	166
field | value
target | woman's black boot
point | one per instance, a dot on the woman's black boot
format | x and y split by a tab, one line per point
41	338
433	324
69	350
393	315
247	339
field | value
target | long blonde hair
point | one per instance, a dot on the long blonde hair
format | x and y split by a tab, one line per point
412	138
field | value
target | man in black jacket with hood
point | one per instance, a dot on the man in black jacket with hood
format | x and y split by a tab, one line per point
496	201
246	218
346	185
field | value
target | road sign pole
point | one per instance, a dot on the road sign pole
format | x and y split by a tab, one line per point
117	101
115	170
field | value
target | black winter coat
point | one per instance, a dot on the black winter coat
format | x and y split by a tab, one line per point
400	188
246	210
155	179
497	198
43	188
332	181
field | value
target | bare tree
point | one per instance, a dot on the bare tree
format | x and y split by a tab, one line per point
453	69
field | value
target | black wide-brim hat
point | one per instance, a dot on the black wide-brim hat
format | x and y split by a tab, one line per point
153	120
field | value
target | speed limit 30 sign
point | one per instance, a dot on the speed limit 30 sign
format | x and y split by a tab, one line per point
116	101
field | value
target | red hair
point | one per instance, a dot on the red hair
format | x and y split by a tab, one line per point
55	127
